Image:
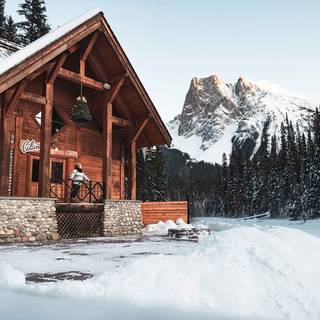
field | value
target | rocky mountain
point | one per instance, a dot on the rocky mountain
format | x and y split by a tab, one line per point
218	116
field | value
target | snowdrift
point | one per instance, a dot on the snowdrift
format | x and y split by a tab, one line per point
241	273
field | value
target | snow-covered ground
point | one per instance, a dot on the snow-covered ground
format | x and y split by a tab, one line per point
245	270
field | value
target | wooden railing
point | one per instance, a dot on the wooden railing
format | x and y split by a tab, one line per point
89	191
153	212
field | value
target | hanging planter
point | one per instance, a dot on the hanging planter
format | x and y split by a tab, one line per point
80	111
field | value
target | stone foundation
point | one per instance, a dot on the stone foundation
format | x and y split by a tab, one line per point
27	220
122	217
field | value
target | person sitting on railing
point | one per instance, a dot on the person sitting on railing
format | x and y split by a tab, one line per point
77	177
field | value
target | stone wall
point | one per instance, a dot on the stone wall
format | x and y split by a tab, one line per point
122	217
27	219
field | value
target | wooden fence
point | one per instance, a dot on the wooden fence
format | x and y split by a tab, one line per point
153	212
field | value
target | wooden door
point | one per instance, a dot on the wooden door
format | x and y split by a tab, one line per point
33	176
57	177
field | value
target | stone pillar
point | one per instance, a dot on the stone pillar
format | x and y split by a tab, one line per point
122	217
27	220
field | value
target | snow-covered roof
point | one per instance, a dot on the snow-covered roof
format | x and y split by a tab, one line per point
7	48
18	57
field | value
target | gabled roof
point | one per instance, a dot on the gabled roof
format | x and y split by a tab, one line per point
30	58
41	43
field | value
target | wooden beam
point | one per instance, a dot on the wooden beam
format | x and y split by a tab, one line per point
138	130
4	148
35	98
16	157
89	47
16	96
127	112
82	68
57	68
115	88
77	78
132	170
121	122
107	155
30	96
45	141
97	68
46	67
74	48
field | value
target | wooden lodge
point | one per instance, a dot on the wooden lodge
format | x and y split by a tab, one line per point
40	144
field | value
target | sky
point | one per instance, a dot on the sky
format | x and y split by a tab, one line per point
170	41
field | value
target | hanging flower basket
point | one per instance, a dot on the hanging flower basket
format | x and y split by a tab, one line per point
80	111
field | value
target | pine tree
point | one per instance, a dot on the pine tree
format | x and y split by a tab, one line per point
11	30
2	19
158	175
35	24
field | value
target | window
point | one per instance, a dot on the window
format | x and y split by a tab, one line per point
56	172
57	122
35	170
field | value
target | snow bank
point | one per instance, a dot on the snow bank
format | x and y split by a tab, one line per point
162	228
241	273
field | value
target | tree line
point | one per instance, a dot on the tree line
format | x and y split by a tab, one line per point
282	177
32	26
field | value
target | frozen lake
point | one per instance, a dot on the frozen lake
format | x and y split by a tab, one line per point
253	269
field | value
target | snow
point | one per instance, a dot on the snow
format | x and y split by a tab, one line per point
263	269
23	54
191	145
161	228
258	101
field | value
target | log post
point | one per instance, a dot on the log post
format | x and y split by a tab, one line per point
107	155
132	157
4	149
45	141
16	157
132	171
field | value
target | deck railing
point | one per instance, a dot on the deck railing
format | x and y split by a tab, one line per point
89	191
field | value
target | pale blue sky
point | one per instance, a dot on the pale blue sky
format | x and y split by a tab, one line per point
169	42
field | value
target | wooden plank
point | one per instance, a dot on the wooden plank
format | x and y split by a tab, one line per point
77	78
107	155
45	140
153	212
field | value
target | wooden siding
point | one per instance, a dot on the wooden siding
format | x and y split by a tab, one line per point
153	212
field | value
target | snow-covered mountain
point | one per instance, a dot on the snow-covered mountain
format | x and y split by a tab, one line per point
217	116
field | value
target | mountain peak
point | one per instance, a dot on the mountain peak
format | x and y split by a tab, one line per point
218	117
245	84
